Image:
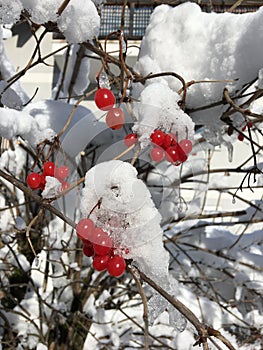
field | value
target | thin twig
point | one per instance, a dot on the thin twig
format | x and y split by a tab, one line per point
33	221
134	272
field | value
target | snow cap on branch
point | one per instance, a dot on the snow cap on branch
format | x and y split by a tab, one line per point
128	214
79	21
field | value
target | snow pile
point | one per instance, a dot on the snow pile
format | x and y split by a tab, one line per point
13	123
125	205
202	46
10	11
159	109
42	11
80	21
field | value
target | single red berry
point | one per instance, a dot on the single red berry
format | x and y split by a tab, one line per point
115	118
88	249
34	181
116	266
157	154
102	243
157	137
182	156
240	137
186	145
104	99
49	169
42	182
65	185
244	127
100	262
250	124
171	154
130	139
169	140
61	173
85	229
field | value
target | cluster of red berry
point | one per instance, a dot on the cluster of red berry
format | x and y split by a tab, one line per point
105	100
99	245
165	146
241	136
37	181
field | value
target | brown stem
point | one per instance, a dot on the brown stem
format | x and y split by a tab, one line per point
203	331
63	6
41	202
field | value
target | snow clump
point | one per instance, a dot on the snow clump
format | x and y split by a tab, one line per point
128	214
79	21
159	109
10	11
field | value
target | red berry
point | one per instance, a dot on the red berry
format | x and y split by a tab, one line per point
116	266
49	169
61	173
104	99
100	262
103	244
65	185
240	137
115	118
88	249
250	124
244	128
157	137
85	229
186	146
34	181
182	156
42	182
172	154
130	139
169	140
157	154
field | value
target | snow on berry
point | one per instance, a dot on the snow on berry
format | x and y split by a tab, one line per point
52	187
124	204
159	111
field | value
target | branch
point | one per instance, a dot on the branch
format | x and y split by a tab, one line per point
203	331
41	202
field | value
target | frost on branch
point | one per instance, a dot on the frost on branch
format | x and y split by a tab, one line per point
128	214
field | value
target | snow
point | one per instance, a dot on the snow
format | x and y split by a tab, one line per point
42	11
73	21
13	123
212	270
202	46
10	11
158	109
126	202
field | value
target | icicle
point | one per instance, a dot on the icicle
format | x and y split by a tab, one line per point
176	320
104	81
230	149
